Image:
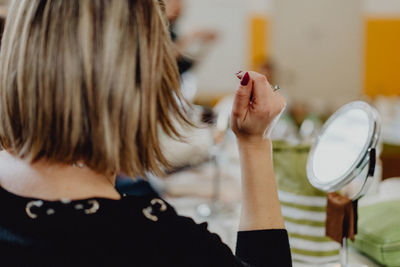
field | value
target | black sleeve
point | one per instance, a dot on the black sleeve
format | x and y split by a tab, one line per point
255	249
264	248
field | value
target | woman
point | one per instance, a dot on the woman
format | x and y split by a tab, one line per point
85	85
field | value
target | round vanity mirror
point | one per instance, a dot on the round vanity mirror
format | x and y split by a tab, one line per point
343	156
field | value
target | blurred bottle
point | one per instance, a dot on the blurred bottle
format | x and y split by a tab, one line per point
310	128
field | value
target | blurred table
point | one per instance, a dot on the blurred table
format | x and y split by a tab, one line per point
354	258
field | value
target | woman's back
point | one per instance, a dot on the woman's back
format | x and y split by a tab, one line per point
104	232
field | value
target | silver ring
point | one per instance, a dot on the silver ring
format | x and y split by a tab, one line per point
276	88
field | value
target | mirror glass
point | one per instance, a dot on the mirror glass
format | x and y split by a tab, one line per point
341	145
343	156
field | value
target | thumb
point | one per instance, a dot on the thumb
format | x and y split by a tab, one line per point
243	95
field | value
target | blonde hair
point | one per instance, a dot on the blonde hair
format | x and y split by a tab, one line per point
89	80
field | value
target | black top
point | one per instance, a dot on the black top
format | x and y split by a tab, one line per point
133	231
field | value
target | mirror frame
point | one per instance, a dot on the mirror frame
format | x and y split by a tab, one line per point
363	159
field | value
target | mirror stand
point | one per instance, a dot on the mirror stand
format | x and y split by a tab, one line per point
344	256
343	157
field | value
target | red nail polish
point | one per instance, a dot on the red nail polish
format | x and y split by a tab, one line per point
245	80
237	73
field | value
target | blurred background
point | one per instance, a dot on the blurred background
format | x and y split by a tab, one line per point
323	54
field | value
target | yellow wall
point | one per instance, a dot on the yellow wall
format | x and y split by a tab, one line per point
258	40
382	74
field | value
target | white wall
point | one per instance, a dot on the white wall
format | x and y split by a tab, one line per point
216	71
382	7
318	48
259	6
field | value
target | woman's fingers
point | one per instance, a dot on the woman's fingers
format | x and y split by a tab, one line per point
256	105
257	91
243	95
265	99
261	90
